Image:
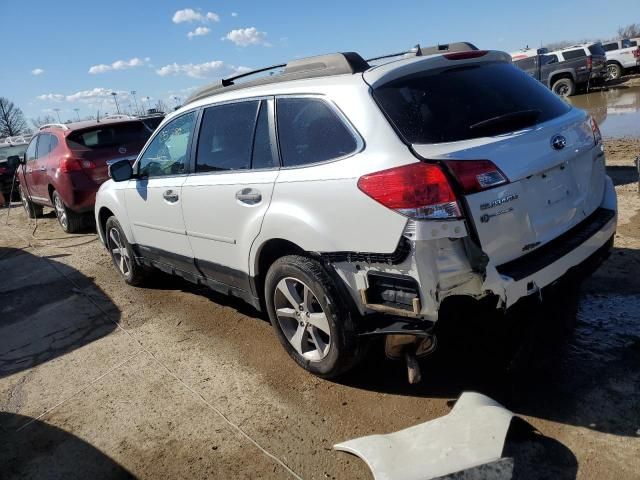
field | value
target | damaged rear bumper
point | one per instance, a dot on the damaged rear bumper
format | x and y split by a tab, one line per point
443	261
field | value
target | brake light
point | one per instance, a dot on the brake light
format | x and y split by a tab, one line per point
3	170
418	190
476	175
69	164
589	63
636	52
465	55
597	136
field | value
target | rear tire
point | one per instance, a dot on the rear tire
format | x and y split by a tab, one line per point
310	318
564	87
122	254
32	210
70	221
614	71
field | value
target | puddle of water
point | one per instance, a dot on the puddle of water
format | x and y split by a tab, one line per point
617	111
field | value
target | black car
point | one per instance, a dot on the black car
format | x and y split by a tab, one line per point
7	168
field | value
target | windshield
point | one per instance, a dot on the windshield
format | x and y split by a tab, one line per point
6	152
447	105
107	136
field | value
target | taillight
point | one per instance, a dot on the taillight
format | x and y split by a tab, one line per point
597	136
69	164
476	175
636	52
3	170
589	63
418	190
465	55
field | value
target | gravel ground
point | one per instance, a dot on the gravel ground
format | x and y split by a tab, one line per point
98	379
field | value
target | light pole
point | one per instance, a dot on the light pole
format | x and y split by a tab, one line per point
77	110
57	110
149	102
177	99
133	93
115	99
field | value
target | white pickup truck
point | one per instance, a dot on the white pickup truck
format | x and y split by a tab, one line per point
622	55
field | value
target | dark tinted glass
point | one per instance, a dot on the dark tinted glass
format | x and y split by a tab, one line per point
573	54
596	49
309	131
262	152
447	105
548	59
526	63
226	137
43	144
109	136
152	122
608	47
31	149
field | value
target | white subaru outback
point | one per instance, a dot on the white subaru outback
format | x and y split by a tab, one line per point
348	199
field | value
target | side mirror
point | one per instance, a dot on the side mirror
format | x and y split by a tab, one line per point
120	171
13	161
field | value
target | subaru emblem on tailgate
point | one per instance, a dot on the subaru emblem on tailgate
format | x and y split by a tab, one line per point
558	142
122	150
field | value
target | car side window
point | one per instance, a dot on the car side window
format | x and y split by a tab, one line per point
526	63
262	147
608	47
44	144
31	149
226	137
309	131
168	151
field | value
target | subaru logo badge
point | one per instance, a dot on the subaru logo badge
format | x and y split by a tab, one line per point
558	142
122	150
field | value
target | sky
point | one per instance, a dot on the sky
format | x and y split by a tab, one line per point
71	55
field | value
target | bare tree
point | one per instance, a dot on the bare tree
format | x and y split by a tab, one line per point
161	106
12	120
39	121
630	31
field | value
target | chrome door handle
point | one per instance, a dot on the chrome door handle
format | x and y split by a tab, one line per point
249	196
170	196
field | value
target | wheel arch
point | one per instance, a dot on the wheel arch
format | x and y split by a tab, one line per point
268	252
561	74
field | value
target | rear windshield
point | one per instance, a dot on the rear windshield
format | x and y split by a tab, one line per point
465	102
6	152
109	136
597	49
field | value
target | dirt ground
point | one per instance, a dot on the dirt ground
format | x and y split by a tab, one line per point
102	380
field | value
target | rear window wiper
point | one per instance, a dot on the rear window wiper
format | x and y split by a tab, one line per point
519	116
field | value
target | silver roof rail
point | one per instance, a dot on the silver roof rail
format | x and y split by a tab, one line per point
53	125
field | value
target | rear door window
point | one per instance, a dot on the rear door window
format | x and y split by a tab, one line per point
573	54
263	151
608	47
44	144
226	137
309	131
469	101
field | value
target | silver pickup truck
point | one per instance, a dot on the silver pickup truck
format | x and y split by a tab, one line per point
622	55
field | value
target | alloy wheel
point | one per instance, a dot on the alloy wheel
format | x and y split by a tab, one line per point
119	252
61	212
301	319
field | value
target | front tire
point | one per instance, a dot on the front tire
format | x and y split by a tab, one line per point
32	210
309	317
70	221
122	254
565	87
